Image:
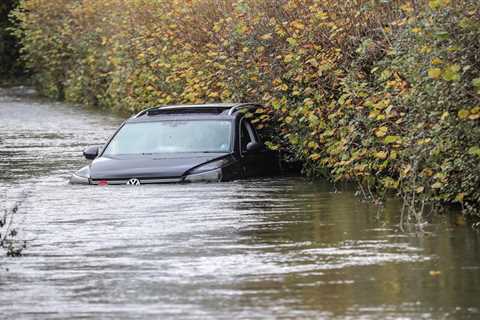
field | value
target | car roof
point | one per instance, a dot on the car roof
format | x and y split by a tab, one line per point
211	111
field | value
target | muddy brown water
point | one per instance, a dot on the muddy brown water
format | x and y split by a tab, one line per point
280	248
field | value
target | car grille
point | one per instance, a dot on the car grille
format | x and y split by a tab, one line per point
142	181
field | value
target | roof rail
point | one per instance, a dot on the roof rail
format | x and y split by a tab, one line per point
144	112
183	107
194	106
230	107
243	105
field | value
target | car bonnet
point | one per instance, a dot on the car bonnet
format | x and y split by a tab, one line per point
148	166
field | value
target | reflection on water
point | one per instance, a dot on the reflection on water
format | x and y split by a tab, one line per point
272	248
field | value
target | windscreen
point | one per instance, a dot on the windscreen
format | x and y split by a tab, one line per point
189	136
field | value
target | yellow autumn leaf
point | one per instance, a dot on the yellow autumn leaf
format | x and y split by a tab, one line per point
381	131
382	155
312	145
459	197
297	25
437	185
463	114
226	93
321	15
437	4
408	8
293	42
308	102
389	183
434	73
427	172
313	62
242	29
267	36
426	49
288	58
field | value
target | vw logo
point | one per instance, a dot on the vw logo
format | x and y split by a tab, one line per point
133	182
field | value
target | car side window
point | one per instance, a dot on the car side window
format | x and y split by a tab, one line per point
245	137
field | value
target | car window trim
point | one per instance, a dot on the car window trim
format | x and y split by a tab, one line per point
250	132
105	145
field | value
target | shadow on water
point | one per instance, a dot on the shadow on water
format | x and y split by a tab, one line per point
269	248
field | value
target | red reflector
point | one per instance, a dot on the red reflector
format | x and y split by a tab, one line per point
103	182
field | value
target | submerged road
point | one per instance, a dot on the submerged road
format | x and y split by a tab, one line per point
281	248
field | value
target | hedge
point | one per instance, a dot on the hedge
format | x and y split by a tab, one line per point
382	93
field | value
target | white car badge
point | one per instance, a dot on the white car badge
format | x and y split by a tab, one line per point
133	182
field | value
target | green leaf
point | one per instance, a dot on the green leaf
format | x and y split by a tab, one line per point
476	83
292	42
392	139
272	146
451	73
441	35
385	75
474	151
389	183
313	119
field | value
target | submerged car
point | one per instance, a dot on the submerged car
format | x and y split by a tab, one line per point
181	143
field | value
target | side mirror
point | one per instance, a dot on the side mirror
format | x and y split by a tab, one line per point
91	152
254	147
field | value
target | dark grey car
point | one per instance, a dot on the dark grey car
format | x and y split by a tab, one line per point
182	143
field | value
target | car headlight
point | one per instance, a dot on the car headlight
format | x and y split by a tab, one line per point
82	176
211	166
207	176
211	171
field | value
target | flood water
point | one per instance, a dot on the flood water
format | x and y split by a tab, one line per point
282	248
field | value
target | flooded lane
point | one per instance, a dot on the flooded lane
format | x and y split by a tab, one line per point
260	249
37	137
